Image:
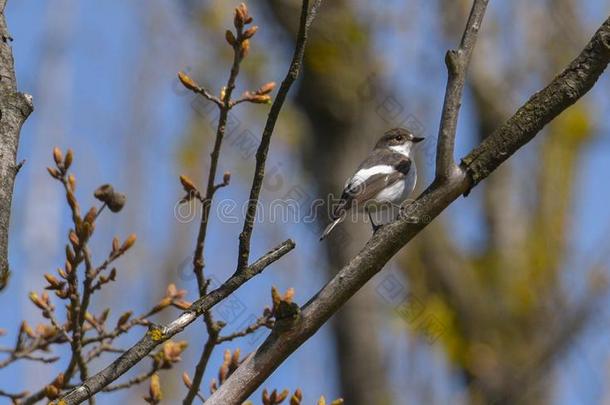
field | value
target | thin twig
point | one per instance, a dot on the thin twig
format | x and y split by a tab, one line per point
457	65
13	397
264	320
307	17
134	381
213	331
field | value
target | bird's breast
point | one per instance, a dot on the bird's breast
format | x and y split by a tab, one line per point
399	191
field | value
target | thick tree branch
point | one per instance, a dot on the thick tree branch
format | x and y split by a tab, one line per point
307	17
159	334
457	62
15	108
575	81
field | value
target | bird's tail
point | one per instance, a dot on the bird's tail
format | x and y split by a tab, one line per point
331	226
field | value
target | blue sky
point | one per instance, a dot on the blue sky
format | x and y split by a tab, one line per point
103	79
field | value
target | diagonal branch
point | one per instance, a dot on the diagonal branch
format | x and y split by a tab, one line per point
159	334
15	108
569	86
457	62
307	17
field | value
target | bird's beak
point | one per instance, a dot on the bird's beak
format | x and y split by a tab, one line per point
417	139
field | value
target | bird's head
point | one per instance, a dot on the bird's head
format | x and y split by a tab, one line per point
400	140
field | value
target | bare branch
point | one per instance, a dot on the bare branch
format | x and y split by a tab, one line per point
569	86
457	65
307	17
159	334
15	108
14	397
264	320
240	44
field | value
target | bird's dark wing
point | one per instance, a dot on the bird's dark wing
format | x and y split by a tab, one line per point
358	192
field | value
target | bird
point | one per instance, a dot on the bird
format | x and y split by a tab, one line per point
384	179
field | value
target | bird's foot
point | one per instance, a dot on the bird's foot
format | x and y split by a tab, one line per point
376	227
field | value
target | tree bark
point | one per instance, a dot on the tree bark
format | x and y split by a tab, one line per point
15	107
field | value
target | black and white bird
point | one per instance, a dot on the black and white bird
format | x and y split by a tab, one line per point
384	180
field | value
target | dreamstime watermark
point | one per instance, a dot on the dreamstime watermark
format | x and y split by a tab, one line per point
291	211
410	308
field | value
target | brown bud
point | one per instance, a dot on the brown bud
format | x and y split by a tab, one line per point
129	242
117	202
260	99
239	18
187	380
235	359
230	37
63	293
72	182
85	231
68	267
266	88
173	350
68	159
113	199
91	214
57	156
188	82
275	297
89	318
103	192
188	184
182	304
112	274
226	178
249	33
116	245
27	329
45	297
70	256
245	48
52	280
155	389
36	300
54	173
62	273
273	397
59	380
289	295
265	397
51	392
123	319
164	303
213	386
74	239
282	396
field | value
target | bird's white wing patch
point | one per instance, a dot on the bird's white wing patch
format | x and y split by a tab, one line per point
363	174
